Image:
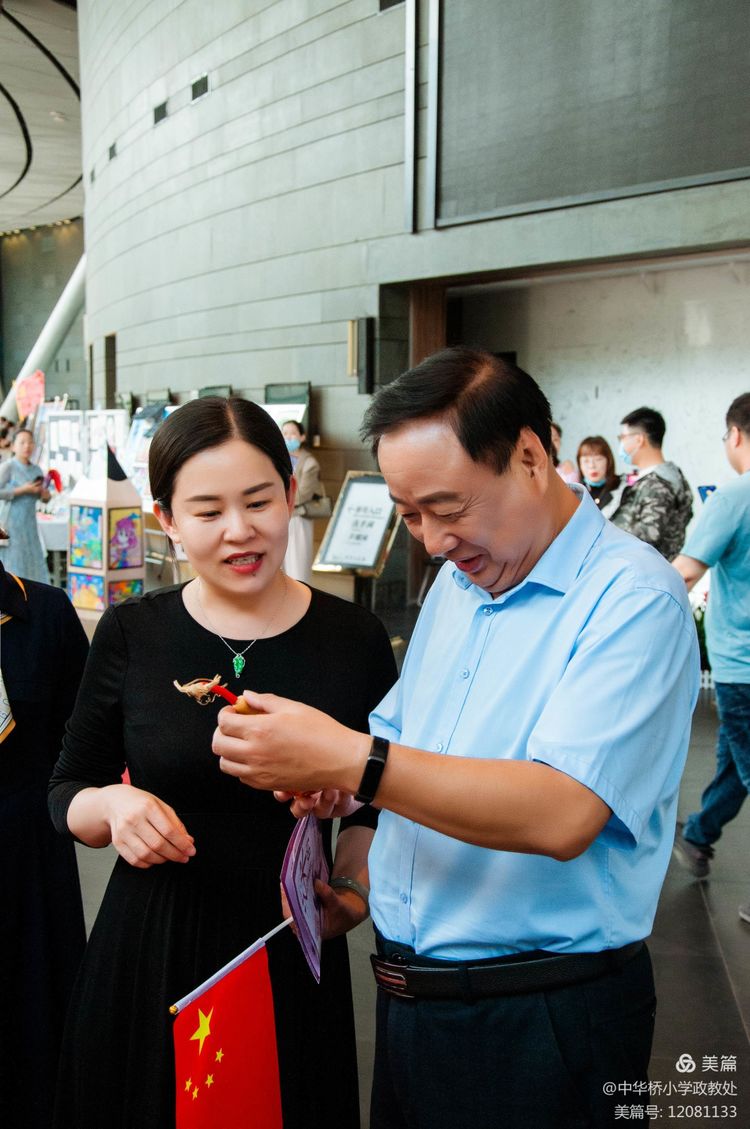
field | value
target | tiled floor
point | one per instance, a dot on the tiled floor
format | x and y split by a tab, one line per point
701	953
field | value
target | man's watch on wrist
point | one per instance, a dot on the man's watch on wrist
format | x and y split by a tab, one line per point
373	772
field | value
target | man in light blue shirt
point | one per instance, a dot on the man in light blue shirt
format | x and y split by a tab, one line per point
537	736
721	542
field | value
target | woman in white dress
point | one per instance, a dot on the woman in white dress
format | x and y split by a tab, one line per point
299	554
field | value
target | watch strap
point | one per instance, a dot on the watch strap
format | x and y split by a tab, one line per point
343	882
373	772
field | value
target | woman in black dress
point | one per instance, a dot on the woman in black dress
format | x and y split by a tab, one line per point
198	876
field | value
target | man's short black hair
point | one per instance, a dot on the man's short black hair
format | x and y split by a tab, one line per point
650	422
738	414
486	400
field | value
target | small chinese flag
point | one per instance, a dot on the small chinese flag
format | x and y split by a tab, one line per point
227	1071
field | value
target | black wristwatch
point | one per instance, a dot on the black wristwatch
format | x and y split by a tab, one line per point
370	781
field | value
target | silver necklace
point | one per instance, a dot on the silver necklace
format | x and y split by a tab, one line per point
238	662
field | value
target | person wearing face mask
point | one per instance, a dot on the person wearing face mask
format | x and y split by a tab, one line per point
299	554
596	464
657	507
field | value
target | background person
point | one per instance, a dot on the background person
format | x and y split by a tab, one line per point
596	465
566	469
197	879
720	541
21	487
657	507
527	773
42	932
299	554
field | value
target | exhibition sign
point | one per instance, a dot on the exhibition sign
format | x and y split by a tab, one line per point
362	527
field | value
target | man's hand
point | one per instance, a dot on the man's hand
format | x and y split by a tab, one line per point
342	909
289	747
328	804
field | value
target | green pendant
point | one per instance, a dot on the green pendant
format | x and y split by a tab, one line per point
238	662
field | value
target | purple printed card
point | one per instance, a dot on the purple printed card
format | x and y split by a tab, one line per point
305	861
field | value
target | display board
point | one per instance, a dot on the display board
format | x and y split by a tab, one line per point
75	442
60	438
289	401
280	413
361	530
105	427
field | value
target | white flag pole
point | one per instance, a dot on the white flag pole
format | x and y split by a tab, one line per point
234	963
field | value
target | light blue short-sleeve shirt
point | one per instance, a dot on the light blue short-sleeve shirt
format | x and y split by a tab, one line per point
721	539
589	665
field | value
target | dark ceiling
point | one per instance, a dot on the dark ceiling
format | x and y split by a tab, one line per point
40	123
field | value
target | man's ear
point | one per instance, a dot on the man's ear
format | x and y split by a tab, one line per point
531	453
165	521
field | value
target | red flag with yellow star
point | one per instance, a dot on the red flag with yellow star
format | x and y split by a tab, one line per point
227	1071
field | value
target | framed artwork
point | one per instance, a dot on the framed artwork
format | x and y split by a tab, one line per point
125	537
123	589
85	537
86	591
360	534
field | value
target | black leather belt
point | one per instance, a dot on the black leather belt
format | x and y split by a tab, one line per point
406	977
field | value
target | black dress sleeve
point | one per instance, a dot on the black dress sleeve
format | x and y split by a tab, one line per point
92	749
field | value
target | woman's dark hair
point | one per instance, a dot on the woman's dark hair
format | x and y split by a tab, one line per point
23	431
487	401
295	423
209	422
598	445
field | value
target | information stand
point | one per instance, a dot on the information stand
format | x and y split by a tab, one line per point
105	548
360	533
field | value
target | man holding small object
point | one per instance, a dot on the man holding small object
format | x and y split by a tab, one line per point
526	765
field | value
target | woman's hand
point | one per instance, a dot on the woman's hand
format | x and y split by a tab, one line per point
29	488
145	830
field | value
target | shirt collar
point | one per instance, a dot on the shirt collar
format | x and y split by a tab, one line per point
561	562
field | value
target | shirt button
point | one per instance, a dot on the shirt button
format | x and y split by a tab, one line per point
465	673
439	746
404	899
488	611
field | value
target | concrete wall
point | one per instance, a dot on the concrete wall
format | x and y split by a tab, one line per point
677	340
34	269
231	242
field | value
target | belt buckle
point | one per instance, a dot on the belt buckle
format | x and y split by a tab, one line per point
388	977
